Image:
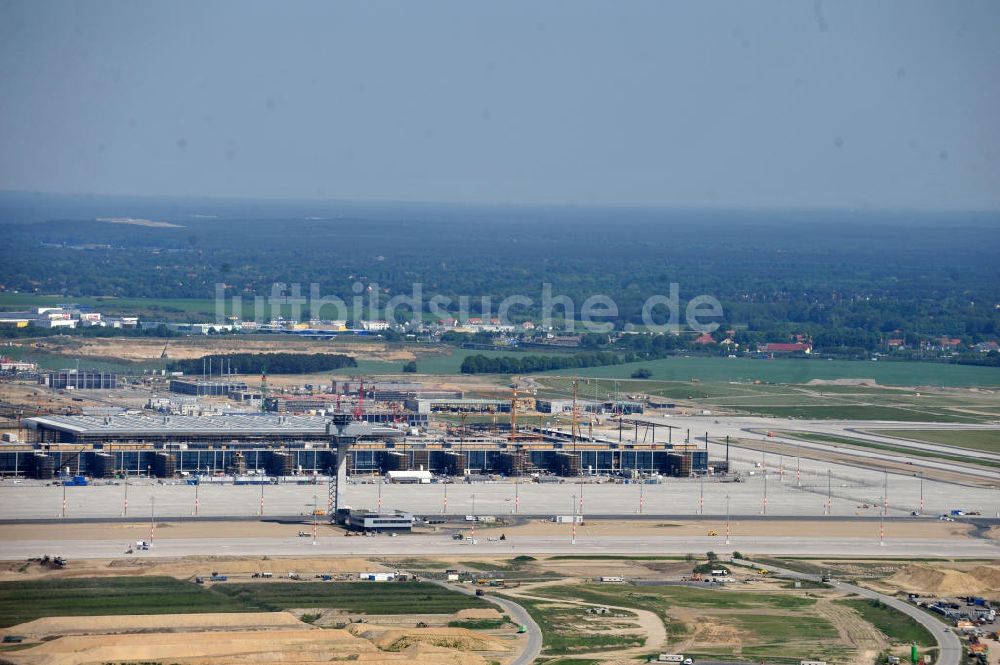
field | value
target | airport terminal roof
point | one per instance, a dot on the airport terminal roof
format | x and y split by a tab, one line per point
174	425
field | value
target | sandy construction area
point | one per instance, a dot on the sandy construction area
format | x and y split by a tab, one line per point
195	347
950	580
242	647
191	566
115	624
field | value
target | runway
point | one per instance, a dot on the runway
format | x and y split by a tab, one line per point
443	545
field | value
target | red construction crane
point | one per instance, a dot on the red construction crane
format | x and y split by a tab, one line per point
359	410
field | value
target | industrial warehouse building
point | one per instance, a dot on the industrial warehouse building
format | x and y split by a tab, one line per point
207	388
458	405
79	380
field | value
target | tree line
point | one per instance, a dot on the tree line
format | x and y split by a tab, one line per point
526	364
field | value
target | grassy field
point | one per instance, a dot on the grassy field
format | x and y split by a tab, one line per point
34	599
560	637
111	305
438	364
792	400
771	625
777	628
988	440
912	452
801	371
662	598
396	598
895	625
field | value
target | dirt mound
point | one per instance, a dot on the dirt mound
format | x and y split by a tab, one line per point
477	613
988	575
448	638
941	581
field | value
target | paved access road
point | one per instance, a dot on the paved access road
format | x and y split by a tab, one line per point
518	614
950	648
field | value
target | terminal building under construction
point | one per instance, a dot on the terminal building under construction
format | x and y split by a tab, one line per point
288	445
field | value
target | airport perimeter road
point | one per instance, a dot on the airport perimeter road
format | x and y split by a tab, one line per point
950	648
519	615
438	545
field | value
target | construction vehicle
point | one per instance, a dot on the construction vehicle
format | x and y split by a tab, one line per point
713	532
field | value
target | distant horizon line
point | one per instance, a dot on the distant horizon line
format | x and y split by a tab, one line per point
485	204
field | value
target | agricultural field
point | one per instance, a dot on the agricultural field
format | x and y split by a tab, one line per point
363	597
156	619
32	599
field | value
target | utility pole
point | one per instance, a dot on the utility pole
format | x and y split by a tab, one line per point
152	518
517	497
261	510
473	518
444	504
378	505
125	511
314	520
885	490
64	498
197	484
798	466
921	492
701	498
573	540
728	530
885	507
642	497
765	491
829	492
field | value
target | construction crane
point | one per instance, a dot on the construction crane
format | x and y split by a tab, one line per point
359	409
263	389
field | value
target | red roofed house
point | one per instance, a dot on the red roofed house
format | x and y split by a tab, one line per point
783	347
704	338
949	342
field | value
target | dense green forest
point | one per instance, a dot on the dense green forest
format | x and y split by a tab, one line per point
848	280
272	363
528	363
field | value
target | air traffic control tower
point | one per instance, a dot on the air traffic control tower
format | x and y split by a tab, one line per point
343	432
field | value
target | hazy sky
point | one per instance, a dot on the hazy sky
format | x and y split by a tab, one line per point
795	103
